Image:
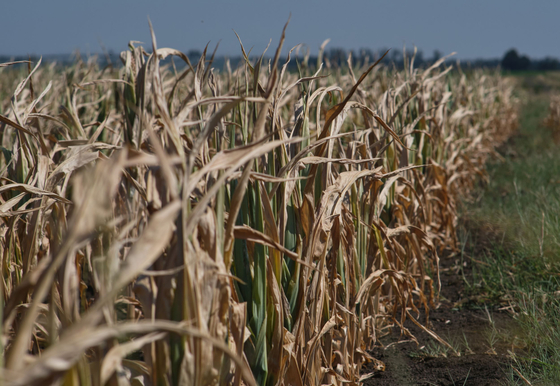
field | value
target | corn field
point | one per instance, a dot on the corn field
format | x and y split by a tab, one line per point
167	224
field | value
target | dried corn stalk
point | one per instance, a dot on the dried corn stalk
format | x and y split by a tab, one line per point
244	226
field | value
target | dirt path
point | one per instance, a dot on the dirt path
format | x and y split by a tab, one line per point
476	332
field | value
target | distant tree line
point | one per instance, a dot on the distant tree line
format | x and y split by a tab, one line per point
395	57
511	61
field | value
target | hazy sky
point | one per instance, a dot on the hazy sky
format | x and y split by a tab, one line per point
472	28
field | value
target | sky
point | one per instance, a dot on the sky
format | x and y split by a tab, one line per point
472	28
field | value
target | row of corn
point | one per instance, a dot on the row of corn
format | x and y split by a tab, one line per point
173	223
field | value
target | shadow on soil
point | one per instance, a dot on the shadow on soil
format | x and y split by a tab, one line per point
477	332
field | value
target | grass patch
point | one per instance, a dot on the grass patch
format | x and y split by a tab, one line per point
512	233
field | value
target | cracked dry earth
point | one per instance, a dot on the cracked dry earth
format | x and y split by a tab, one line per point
482	336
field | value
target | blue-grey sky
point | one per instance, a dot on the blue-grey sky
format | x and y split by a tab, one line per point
473	28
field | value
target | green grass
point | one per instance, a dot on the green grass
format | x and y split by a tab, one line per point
513	230
538	82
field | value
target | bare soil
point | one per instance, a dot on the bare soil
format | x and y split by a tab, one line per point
481	333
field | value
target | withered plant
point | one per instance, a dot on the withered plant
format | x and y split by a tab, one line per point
168	225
